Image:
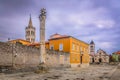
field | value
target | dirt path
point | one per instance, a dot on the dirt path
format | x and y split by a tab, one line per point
93	72
116	74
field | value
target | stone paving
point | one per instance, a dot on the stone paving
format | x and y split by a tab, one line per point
116	74
93	72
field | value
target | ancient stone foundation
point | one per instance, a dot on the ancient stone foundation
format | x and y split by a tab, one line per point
84	65
20	56
75	65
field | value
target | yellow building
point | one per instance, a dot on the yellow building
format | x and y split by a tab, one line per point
79	50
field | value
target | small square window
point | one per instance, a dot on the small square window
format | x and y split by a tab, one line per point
60	47
51	47
73	46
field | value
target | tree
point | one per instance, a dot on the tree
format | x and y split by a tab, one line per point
119	57
115	57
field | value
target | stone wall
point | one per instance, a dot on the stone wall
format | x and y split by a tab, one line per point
18	55
104	59
5	56
55	58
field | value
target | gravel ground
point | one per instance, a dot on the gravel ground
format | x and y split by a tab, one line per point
93	72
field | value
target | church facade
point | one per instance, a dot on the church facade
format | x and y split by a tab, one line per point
101	56
97	57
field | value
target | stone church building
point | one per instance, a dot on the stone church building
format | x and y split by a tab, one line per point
101	56
97	57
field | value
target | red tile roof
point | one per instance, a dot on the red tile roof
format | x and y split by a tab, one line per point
57	36
18	40
36	44
118	52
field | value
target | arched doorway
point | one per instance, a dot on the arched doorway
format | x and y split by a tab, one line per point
81	59
100	60
93	60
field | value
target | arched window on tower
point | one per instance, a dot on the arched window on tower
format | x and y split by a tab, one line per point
28	33
32	33
91	46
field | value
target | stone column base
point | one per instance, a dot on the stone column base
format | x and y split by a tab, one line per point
84	65
75	65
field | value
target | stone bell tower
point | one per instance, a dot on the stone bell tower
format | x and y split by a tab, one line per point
42	19
30	31
92	48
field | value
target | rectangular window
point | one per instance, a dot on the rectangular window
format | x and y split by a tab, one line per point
77	47
80	48
60	47
73	46
84	49
51	47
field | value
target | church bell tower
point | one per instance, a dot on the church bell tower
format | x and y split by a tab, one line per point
30	32
92	48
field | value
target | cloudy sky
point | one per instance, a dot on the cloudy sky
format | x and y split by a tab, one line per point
87	20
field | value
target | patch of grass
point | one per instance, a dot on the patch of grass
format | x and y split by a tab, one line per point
42	69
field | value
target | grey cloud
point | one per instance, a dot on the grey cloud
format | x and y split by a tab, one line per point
15	7
14	16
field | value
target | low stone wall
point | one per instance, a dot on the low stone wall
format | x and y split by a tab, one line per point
21	56
18	55
5	56
55	58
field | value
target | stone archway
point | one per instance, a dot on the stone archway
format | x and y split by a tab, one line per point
93	60
100	60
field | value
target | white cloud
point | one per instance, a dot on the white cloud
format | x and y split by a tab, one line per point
54	18
105	23
98	17
86	5
106	45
